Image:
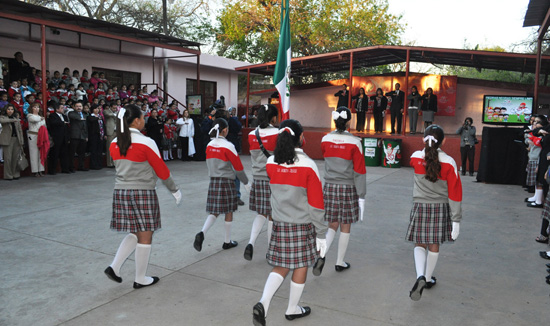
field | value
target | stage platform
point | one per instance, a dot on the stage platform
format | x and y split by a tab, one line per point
410	143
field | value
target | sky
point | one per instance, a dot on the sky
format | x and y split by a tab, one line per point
447	23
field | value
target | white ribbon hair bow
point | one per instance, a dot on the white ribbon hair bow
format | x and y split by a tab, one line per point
429	139
290	131
336	115
217	128
121	117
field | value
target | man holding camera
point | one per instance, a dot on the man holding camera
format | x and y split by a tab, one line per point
468	140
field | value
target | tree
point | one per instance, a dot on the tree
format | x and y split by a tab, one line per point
187	19
249	29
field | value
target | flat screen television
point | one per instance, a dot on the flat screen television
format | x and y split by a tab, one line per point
507	110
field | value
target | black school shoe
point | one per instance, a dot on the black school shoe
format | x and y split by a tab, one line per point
249	252
258	314
431	284
139	286
534	205
340	268
199	238
111	274
318	266
544	255
229	245
416	291
305	312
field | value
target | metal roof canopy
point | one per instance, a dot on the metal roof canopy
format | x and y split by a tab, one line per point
391	54
536	12
20	11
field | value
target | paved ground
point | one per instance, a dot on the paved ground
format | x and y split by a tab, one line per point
55	242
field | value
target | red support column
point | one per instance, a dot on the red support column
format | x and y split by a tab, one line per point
350	80
199	75
44	68
405	106
247	94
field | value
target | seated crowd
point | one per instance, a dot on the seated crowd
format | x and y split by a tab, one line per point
81	119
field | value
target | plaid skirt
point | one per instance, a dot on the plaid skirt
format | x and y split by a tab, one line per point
222	196
292	245
531	173
430	223
546	208
260	197
135	210
341	203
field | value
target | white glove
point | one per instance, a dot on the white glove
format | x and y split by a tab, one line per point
361	208
247	187
455	231
321	246
177	195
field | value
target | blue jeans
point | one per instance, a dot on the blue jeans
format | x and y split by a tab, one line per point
238	186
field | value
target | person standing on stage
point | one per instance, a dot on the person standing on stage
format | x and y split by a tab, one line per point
345	183
343	96
437	207
135	204
298	228
361	107
429	107
379	109
396	107
224	165
415	101
260	193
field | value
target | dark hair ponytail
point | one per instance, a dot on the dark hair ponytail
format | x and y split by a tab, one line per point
266	113
341	122
222	125
285	150
433	166
124	138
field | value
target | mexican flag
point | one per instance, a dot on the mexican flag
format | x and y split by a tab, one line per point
282	67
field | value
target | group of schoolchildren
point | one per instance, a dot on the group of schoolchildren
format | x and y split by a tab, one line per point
95	91
287	192
537	139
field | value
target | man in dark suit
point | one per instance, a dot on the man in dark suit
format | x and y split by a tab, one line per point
58	126
396	107
79	136
343	96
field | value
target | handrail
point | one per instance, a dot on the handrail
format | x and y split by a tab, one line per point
164	93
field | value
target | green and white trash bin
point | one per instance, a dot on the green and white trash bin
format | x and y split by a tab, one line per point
371	150
391	153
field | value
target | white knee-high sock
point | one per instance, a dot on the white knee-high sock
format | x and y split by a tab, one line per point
227	232
330	237
274	281
538	196
430	264
180	151
127	246
342	248
257	225
208	223
142	261
269	231
420	261
294	297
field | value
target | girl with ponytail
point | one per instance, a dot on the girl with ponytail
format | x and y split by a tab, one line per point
135	204
224	165
437	207
262	142
297	212
345	185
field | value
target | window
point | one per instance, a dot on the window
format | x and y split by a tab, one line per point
119	77
208	91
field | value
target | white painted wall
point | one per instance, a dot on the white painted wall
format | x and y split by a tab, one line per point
313	107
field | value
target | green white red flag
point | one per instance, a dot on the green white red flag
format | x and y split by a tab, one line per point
282	67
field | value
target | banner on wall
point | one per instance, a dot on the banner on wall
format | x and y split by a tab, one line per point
444	88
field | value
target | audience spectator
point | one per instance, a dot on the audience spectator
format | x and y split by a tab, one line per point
11	139
58	125
96	135
79	136
155	128
186	134
109	115
36	120
19	68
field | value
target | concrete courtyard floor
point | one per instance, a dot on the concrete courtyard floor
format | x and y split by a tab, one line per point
55	243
